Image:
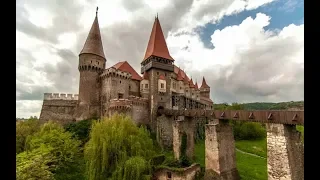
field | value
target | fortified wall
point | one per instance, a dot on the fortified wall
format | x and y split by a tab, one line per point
58	107
135	107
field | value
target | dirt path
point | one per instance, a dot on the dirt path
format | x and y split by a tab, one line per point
250	154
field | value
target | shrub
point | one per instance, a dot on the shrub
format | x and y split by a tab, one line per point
248	130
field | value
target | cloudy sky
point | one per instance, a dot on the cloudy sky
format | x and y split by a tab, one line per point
248	50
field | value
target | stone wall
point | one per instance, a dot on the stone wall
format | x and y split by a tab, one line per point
61	111
285	152
188	173
164	131
134	87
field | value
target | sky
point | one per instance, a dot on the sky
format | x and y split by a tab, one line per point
248	50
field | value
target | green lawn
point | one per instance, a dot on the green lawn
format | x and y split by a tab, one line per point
258	147
249	167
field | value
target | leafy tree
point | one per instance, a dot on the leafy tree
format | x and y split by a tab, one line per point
115	145
80	129
23	130
34	164
64	149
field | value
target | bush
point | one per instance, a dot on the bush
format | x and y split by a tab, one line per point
248	131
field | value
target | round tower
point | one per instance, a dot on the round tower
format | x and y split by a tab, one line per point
92	62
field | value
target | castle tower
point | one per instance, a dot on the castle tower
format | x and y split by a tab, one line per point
92	62
158	63
204	89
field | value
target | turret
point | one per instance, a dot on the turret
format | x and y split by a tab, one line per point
204	89
92	62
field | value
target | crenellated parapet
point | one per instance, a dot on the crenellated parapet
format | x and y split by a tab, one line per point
112	72
123	104
60	96
139	101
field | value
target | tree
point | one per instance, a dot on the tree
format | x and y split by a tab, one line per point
64	150
112	145
23	130
80	129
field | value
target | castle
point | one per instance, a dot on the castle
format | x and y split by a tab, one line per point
119	88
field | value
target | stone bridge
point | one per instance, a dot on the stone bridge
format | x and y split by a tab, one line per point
285	156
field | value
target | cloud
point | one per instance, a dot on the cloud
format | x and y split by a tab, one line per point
50	36
248	63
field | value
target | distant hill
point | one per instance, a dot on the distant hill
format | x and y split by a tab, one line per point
292	105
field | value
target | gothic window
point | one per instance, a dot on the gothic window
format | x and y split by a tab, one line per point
98	62
192	94
157	73
180	88
146	86
165	74
120	95
129	88
120	82
162	85
91	62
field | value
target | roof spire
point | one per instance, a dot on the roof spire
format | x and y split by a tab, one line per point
93	44
204	84
97	11
157	45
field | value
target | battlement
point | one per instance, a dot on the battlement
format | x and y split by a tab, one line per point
120	104
112	72
138	101
60	96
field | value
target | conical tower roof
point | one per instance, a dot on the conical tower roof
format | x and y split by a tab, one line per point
196	86
204	84
157	45
179	75
93	44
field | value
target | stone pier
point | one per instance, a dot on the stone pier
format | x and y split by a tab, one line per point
179	127
285	152
220	150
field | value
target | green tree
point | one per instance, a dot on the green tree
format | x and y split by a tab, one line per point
80	129
34	164
112	143
62	147
23	130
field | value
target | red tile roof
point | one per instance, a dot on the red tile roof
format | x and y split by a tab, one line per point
204	84
191	85
145	75
162	77
93	44
179	75
125	66
157	45
196	86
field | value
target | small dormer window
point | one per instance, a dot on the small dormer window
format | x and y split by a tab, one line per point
146	86
162	85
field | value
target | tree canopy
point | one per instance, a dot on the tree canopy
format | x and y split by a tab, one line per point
118	148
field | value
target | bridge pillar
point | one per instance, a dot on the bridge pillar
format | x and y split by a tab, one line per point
220	150
285	152
183	125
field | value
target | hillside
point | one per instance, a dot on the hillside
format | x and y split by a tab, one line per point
292	105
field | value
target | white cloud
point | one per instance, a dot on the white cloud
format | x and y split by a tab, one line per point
51	34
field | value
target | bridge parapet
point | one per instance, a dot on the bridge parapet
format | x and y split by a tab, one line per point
264	116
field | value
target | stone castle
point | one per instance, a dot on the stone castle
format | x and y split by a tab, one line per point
119	88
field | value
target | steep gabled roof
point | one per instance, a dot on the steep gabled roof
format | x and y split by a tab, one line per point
204	84
157	45
191	85
179	75
196	86
93	44
125	66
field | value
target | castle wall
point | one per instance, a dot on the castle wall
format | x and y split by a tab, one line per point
58	107
134	89
165	131
187	173
140	112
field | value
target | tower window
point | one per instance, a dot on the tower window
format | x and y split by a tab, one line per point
165	74
98	62
129	87
162	85
91	62
157	73
146	86
169	175
120	82
120	95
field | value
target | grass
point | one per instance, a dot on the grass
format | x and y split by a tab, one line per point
258	147
249	167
